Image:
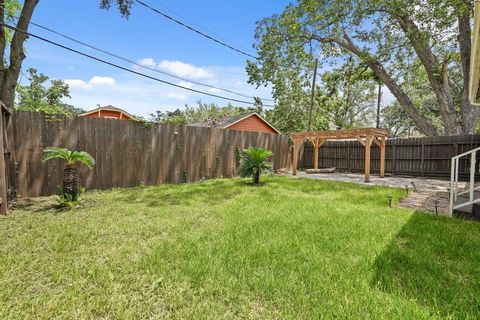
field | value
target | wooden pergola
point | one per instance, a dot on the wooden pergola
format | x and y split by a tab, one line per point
365	136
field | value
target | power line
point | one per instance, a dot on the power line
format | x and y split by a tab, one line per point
194	30
159	3
141	65
125	69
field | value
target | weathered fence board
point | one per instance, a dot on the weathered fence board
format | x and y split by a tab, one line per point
128	153
429	157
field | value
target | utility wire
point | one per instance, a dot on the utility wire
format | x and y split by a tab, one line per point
194	30
123	68
141	65
159	3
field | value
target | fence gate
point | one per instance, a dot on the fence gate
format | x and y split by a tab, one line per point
7	159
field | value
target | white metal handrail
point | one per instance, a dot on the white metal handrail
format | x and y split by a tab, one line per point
454	191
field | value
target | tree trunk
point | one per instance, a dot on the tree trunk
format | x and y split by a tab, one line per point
9	74
71	179
256	178
439	84
422	123
469	111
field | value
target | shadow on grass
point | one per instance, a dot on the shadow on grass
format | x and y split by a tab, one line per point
436	262
37	204
202	193
47	205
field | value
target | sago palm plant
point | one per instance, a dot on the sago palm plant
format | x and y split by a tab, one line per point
71	175
253	162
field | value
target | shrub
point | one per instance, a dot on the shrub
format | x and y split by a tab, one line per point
253	162
70	190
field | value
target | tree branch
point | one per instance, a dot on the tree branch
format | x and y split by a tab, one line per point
420	121
3	37
17	55
429	61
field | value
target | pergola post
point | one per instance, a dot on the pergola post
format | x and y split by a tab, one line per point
382	157
316	146
295	156
368	143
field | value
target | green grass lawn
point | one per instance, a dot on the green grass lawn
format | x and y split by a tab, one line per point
292	249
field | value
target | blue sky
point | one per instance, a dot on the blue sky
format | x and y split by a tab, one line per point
153	40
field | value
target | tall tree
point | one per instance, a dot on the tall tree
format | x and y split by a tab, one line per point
350	95
38	97
396	121
11	42
383	35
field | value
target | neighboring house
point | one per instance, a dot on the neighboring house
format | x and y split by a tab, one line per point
109	112
245	122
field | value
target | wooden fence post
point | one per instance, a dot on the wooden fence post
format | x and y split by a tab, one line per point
295	157
394	155
422	159
382	157
3	180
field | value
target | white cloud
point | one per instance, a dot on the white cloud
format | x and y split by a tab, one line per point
178	68
147	62
77	84
387	97
176	96
214	90
184	69
96	81
185	84
102	81
143	96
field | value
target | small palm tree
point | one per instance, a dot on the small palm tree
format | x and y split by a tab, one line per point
71	176
253	162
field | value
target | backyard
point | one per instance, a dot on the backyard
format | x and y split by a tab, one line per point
292	248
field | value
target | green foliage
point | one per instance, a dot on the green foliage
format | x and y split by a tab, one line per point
69	156
38	97
67	200
367	31
350	95
124	6
397	122
72	110
168	117
238	155
203	112
253	162
12	8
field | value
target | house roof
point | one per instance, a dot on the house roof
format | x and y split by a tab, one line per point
227	122
109	108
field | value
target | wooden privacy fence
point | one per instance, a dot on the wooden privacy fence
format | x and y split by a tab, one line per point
428	157
129	153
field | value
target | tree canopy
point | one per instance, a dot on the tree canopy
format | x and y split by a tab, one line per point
11	43
392	38
203	112
39	97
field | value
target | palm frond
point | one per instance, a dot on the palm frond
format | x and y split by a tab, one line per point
56	152
70	157
254	160
85	158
